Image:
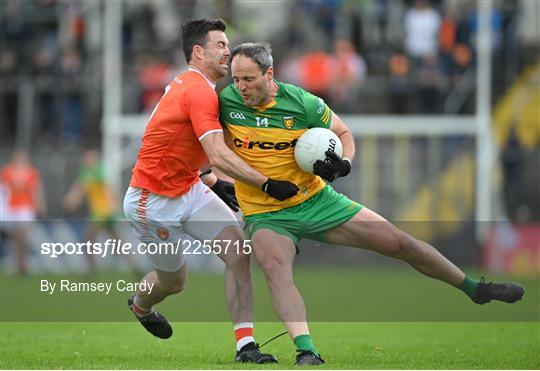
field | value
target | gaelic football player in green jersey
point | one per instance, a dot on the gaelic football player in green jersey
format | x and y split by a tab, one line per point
264	118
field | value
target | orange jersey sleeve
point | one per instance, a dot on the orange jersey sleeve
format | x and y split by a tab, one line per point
202	106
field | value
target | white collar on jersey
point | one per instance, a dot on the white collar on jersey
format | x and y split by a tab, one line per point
195	69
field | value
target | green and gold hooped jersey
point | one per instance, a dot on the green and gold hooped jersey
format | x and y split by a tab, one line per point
264	137
99	196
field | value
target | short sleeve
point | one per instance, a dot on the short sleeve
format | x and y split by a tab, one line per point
202	106
318	114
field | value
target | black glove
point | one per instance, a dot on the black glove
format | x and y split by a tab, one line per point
332	167
225	191
280	189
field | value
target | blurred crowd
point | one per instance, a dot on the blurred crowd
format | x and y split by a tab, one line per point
362	56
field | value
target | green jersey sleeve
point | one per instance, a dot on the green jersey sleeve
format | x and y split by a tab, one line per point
318	114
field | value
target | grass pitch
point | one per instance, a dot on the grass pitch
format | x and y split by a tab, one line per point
386	334
210	346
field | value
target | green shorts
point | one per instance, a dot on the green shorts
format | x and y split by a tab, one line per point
310	219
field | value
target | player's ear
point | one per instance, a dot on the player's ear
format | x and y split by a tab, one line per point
197	52
270	73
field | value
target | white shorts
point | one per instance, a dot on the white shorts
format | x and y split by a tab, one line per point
197	215
20	218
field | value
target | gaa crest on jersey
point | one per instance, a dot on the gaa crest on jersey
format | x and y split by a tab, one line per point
163	234
288	122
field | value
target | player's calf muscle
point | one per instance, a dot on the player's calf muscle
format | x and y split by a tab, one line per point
172	283
174	288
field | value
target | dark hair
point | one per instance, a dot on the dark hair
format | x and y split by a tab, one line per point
194	32
260	53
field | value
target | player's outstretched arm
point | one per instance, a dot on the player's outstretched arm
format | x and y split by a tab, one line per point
227	161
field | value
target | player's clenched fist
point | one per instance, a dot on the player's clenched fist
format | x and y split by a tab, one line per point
280	189
331	168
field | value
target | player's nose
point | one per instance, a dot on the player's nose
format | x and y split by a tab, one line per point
241	87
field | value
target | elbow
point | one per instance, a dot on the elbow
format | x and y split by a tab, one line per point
348	136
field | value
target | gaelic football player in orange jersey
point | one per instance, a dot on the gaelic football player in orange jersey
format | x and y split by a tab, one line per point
25	201
168	202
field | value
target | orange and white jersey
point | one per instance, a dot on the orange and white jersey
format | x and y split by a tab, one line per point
21	184
171	153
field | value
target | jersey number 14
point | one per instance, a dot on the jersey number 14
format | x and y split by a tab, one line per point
262	121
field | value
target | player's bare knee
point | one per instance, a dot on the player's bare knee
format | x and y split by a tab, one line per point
237	262
276	270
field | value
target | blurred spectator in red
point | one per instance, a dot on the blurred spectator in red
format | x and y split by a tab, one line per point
448	38
77	24
316	71
448	31
422	24
455	55
153	76
349	73
25	201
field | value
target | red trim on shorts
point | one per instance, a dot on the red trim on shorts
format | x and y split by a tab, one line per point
141	208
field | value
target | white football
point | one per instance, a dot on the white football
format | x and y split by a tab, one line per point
313	144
